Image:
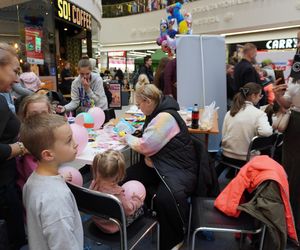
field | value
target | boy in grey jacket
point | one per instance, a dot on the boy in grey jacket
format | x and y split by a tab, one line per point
87	89
53	219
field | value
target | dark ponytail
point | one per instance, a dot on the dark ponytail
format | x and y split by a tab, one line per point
242	96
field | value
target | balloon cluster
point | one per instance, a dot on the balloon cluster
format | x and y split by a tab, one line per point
93	119
176	23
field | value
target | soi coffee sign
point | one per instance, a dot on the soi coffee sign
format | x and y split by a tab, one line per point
70	12
289	43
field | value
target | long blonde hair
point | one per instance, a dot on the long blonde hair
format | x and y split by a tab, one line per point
109	165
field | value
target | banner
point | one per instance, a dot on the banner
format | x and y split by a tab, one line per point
115	89
33	43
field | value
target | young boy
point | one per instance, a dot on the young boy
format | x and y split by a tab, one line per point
53	219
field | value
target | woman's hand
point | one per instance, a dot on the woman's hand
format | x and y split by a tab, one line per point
60	109
279	90
18	149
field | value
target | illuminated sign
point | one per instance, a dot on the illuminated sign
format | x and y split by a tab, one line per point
289	43
117	54
70	12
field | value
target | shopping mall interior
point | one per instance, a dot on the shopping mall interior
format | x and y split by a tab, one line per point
149	124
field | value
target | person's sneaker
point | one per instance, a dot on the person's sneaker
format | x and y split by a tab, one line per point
178	246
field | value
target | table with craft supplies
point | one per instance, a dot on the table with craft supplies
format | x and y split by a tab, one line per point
108	138
100	141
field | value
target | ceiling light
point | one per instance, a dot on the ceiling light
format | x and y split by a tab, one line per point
65	29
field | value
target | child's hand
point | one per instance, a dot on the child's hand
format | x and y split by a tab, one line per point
67	176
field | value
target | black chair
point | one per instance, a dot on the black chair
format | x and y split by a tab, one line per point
109	207
265	145
205	217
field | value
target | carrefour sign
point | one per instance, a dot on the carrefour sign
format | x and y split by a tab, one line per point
72	13
289	43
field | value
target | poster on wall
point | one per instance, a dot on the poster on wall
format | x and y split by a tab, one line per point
116	90
33	43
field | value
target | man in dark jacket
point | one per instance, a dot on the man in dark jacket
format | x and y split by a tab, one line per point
146	68
244	71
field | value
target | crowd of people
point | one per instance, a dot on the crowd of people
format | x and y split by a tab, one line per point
169	163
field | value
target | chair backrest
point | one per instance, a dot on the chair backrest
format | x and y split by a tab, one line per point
99	204
263	144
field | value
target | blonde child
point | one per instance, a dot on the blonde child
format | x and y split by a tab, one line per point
108	170
32	105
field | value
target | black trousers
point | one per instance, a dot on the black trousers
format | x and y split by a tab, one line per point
11	210
171	226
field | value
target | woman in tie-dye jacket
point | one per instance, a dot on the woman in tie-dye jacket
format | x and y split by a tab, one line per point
168	162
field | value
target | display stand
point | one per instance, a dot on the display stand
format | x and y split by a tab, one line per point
116	91
201	75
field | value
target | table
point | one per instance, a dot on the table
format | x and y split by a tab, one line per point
105	140
213	131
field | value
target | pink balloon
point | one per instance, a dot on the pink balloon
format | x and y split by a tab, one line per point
98	115
76	175
80	136
134	187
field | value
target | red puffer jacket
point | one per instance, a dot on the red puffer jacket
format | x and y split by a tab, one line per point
255	172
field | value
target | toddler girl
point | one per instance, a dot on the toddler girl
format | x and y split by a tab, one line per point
108	170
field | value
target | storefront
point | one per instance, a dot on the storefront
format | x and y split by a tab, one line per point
46	33
73	27
280	51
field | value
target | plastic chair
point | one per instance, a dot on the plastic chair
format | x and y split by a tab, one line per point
205	217
266	146
109	207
